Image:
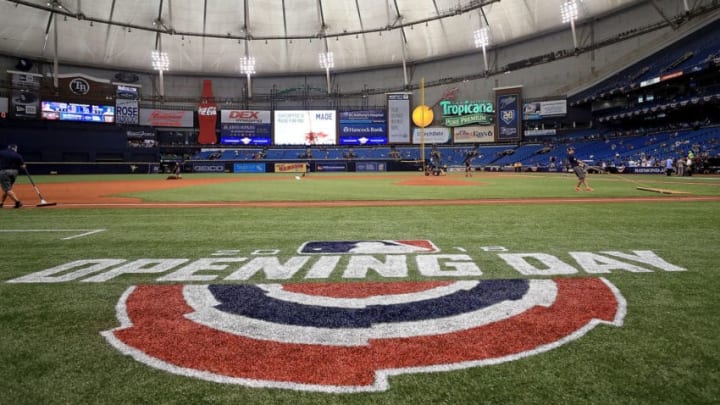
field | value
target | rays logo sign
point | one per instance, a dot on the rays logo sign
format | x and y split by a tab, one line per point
351	337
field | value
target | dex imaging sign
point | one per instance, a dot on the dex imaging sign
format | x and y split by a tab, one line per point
245	127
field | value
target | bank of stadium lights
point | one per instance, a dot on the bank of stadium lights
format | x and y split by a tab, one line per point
247	67
569	13
327	62
161	63
482	40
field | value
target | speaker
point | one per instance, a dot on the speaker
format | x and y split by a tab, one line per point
24	65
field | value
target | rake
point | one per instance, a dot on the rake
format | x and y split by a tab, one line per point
43	202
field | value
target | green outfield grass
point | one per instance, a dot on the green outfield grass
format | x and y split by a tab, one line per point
667	351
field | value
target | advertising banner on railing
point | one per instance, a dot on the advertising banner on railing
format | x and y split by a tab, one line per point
474	134
540	132
363	127
208	168
166	118
331	167
370	167
245	127
290	167
431	135
249	168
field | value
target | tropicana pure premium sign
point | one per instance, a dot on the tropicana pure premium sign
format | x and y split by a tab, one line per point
467	112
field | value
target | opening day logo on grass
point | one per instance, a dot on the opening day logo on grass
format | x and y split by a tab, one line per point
350	337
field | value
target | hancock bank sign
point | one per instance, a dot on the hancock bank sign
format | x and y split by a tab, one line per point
345	337
467	112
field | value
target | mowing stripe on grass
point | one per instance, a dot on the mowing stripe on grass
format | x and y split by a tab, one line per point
85	232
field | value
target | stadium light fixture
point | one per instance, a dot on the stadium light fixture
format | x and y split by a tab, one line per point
327	62
161	63
482	40
247	67
569	13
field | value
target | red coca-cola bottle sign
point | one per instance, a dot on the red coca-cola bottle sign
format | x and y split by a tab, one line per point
207	115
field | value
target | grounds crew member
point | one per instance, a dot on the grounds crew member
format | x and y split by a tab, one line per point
10	164
578	166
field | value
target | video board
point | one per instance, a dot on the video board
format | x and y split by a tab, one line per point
305	127
58	110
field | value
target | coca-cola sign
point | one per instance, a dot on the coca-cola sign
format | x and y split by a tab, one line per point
207	115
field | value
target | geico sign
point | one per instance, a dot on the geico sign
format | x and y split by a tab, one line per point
209	168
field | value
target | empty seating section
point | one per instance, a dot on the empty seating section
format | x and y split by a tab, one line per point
592	146
686	55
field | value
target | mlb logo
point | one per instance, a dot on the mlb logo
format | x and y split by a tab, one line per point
369	247
352	337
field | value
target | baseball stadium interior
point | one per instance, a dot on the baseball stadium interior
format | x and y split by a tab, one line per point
225	86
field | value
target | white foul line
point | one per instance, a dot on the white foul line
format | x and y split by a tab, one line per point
85	232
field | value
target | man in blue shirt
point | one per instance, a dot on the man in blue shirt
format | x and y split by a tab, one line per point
10	164
578	167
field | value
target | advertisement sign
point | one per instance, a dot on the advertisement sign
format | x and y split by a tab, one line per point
466	112
245	117
542	109
315	127
432	135
540	132
207	115
166	118
290	167
208	168
370	167
249	168
363	127
509	120
475	134
4	105
57	110
398	117
25	96
245	127
331	167
127	112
